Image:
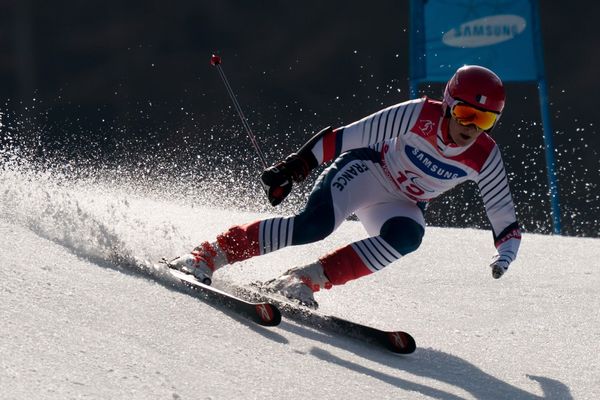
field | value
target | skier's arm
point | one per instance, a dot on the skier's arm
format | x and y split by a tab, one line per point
500	209
278	179
329	143
378	127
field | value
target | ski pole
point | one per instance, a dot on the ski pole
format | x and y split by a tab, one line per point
216	61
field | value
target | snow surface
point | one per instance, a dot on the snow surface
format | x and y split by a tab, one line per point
85	313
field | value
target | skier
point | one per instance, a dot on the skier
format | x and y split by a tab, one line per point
385	169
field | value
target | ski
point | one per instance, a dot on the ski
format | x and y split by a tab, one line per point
267	309
398	342
261	312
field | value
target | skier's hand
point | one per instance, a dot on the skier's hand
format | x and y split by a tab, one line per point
277	180
499	267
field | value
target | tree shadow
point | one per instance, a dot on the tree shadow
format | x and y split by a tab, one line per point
387	378
432	364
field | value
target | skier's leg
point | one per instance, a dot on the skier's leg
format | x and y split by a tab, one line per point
398	237
397	228
326	208
341	189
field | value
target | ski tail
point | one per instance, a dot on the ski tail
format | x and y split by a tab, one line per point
260	312
398	342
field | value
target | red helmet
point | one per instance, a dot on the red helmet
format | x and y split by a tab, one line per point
477	86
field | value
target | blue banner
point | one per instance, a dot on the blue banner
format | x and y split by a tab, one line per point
503	35
496	34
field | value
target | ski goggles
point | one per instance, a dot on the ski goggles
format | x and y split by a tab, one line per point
466	115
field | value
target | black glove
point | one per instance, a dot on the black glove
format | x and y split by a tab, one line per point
499	267
277	180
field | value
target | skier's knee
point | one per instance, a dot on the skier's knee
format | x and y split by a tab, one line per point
312	226
403	234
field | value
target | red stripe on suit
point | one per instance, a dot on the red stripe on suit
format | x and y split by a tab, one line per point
329	141
343	265
240	242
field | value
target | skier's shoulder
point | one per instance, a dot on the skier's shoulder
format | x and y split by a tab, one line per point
426	109
424	118
414	109
420	103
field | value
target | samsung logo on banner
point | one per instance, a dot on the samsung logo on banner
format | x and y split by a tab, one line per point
485	31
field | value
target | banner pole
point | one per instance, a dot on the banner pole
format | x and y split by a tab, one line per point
416	47
546	122
551	164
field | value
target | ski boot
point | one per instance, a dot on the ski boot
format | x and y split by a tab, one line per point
300	283
202	262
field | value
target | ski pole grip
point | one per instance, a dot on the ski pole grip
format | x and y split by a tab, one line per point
215	60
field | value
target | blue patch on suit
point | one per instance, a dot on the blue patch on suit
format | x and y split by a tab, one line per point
432	166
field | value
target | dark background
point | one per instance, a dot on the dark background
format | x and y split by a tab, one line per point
129	83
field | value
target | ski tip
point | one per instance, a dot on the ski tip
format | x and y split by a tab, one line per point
401	342
268	314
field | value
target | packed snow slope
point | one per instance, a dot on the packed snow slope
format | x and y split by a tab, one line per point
86	313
